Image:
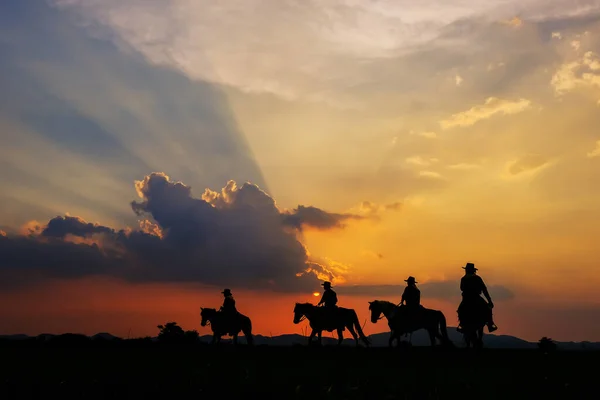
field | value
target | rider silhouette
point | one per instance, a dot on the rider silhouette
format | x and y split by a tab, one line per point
411	298
329	298
412	295
228	308
472	286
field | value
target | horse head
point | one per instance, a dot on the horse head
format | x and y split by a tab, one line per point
301	311
206	314
375	308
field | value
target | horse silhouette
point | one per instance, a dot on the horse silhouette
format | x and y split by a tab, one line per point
222	324
433	321
319	321
473	320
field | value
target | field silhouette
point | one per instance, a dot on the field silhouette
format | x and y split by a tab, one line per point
76	366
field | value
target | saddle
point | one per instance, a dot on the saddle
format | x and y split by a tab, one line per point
330	318
474	311
230	321
408	318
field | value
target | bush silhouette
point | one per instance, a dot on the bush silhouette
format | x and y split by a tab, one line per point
546	345
173	333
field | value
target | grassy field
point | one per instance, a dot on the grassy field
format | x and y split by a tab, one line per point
154	370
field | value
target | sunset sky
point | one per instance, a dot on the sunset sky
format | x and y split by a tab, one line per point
155	152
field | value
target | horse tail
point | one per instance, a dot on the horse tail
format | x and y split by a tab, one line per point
358	328
248	330
444	328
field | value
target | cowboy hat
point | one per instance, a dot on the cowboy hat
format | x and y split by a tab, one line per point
326	284
226	291
411	279
470	267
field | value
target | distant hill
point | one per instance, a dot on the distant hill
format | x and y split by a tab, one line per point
419	338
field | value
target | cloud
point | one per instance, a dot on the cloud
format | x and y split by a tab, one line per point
235	237
426	134
369	208
596	151
372	254
441	290
418	160
584	72
514	22
463	166
431	174
316	218
458	80
526	163
491	107
215	42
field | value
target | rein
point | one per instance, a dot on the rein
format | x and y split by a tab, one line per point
303	317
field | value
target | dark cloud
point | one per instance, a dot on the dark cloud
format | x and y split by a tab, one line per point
442	290
60	227
236	237
316	218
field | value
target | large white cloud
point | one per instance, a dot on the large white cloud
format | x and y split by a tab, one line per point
294	49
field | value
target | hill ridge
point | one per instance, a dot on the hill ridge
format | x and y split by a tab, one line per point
419	338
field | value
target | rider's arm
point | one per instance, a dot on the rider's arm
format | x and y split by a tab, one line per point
485	292
322	300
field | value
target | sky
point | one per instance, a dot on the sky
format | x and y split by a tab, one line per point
156	152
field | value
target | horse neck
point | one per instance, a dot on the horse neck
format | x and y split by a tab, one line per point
387	308
308	311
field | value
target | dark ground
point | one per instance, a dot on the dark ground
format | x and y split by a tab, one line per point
141	369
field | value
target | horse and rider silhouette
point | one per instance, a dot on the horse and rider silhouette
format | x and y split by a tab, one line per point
227	320
474	313
410	316
329	318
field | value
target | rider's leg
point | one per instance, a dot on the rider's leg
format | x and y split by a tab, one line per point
491	325
490	320
459	311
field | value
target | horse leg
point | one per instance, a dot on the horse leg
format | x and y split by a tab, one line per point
432	335
312	335
467	338
320	337
353	333
248	335
341	337
480	338
235	339
214	339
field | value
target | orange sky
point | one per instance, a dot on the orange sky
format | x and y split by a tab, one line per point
98	305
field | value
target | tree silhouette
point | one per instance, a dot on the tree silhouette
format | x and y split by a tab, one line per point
170	332
546	345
